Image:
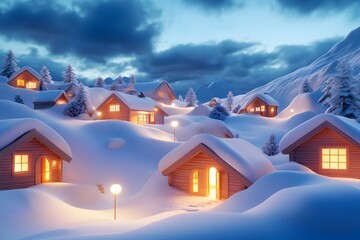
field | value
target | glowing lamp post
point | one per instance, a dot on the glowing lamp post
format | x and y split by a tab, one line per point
174	124
115	189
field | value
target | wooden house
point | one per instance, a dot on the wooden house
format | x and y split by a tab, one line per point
261	104
47	99
215	167
26	77
214	101
130	108
160	91
70	89
326	144
30	153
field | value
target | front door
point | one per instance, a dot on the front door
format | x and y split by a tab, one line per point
214	183
45	170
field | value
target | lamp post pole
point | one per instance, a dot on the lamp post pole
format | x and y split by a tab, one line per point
174	124
115	189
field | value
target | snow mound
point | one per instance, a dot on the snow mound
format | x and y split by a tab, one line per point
200	110
115	143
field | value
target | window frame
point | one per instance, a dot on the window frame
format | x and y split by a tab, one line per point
114	108
22	82
193	181
13	164
31	85
142	115
321	169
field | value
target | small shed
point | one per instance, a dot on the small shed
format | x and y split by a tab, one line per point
30	153
262	104
214	101
327	144
47	99
206	165
160	91
26	77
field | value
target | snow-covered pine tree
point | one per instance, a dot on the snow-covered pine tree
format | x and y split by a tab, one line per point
190	98
113	86
18	99
343	100
119	80
69	75
236	108
305	87
271	147
229	100
219	112
80	104
132	79
45	75
180	98
324	99
9	64
42	85
99	82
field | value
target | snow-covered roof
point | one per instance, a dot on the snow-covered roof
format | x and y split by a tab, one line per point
11	129
263	96
349	127
147	87
59	86
48	96
238	153
23	69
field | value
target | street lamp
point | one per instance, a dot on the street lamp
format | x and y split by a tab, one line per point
115	189
174	124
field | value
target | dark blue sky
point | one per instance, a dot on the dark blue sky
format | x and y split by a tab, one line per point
189	43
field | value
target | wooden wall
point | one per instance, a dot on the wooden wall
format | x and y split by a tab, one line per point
258	103
27	77
163	94
309	154
123	114
35	150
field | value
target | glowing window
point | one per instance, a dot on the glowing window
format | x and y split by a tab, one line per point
252	110
46	170
212	182
161	94
114	108
257	109
262	108
20	83
152	117
195	181
31	85
272	109
21	163
59	102
142	119
334	158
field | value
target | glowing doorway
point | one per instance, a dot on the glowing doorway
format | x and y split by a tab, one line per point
213	183
46	170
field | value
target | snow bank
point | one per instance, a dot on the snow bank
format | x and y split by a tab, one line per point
48	96
116	143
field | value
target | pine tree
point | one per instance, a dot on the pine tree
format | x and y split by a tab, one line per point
305	87
45	75
219	112
99	82
113	86
69	75
9	65
80	104
343	100
271	147
119	80
229	101
236	108
18	99
180	98
190	98
42	85
324	99
132	79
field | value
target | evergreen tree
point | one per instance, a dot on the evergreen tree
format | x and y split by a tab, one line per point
113	86
80	104
271	147
190	98
132	79
305	87
99	82
42	85
69	75
219	112
229	101
119	80
9	65
324	99
45	75
343	100
18	99
236	108
180	98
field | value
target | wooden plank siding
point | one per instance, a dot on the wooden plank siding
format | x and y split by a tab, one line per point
258	103
123	114
27	77
309	153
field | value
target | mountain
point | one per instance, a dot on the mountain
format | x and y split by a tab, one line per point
218	89
286	88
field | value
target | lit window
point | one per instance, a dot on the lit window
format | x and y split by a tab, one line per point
114	108
31	85
251	109
161	94
47	170
142	119
257	109
272	110
262	108
195	181
59	102
152	117
20	83
21	163
334	158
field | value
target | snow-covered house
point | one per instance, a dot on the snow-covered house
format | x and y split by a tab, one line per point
69	88
26	77
216	167
30	153
121	106
327	144
262	104
47	99
214	101
159	91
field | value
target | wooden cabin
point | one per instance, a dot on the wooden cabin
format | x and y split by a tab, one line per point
209	166
261	104
214	101
130	108
160	91
47	99
326	144
70	89
30	153
26	77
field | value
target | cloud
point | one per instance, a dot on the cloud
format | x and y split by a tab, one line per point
95	30
214	5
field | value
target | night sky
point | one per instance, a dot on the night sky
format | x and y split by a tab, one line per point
189	43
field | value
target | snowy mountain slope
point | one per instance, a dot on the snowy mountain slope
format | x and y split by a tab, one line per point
285	88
